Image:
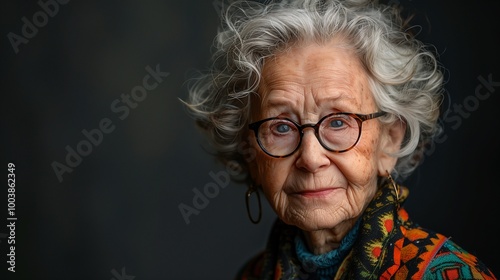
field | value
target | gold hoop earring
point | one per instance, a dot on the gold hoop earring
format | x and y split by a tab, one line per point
394	185
248	194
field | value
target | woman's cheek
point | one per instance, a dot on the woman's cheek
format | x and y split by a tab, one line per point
358	167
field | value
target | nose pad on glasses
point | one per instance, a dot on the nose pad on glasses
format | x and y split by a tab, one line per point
313	138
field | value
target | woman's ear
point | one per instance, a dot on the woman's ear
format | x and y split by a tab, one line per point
392	138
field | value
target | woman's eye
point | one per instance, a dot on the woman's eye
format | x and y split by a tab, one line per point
283	128
336	123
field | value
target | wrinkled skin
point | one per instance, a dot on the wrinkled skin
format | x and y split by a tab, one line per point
321	192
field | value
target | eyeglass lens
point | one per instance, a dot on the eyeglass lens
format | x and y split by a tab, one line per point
280	137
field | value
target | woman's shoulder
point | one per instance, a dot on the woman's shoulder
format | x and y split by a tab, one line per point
439	257
453	262
252	268
262	265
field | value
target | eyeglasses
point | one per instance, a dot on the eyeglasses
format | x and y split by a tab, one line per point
337	132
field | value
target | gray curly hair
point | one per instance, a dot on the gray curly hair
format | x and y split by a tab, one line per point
404	75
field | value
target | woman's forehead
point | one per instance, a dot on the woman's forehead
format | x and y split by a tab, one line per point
321	72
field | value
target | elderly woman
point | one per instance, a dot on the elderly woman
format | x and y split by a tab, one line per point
323	105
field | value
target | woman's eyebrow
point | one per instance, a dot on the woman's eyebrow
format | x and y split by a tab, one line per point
277	99
277	102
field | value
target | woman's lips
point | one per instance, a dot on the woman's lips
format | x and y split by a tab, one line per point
316	193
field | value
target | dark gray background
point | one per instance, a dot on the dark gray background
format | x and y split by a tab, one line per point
118	209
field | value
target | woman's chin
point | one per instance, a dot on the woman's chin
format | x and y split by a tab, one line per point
313	222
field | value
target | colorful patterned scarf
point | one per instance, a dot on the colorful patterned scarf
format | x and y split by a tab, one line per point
388	245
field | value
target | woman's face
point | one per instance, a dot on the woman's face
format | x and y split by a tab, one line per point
315	188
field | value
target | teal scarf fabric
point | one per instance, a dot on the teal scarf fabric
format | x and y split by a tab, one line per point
325	265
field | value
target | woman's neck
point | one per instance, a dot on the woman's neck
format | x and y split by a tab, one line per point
323	241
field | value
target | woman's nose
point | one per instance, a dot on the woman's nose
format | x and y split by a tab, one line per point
311	154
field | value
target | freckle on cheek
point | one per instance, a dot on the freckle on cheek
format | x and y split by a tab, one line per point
366	151
366	154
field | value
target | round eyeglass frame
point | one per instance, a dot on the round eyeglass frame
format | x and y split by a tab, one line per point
360	118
